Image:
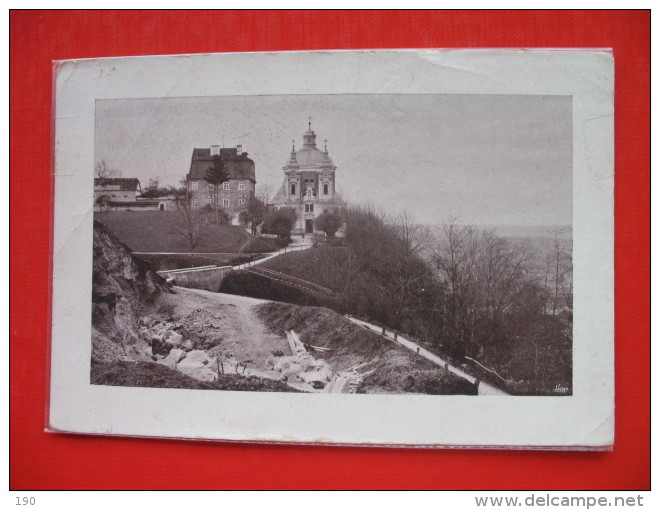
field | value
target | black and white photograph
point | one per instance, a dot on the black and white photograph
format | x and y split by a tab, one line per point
348	243
295	247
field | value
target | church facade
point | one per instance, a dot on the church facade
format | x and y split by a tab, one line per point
309	184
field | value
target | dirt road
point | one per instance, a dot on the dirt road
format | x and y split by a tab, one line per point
243	336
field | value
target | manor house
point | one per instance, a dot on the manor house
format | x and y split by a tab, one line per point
236	192
309	183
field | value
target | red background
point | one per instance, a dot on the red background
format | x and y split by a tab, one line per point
50	461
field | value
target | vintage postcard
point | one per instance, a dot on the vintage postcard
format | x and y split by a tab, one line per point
407	247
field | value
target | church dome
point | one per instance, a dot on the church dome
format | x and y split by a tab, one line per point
309	156
312	157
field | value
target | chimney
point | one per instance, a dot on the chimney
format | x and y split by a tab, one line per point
239	149
215	150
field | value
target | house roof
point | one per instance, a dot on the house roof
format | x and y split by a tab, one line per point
141	203
125	184
239	166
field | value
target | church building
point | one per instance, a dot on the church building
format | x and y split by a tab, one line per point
309	183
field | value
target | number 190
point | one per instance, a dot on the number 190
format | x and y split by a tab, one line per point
25	501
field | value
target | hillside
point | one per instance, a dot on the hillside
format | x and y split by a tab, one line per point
395	369
526	339
156	231
137	342
148	335
122	288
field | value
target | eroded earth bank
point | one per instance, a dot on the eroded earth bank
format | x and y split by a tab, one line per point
148	334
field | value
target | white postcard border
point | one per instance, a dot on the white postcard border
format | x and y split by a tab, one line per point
585	419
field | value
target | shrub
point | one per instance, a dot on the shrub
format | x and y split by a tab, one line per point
280	222
329	221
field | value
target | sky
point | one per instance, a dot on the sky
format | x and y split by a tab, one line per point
488	159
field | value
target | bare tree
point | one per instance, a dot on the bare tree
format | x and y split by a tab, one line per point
190	227
102	171
408	239
559	259
502	270
253	214
455	260
264	193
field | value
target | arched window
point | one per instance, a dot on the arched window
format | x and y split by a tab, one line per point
293	189
325	189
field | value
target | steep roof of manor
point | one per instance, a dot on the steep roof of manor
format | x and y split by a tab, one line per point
124	183
239	166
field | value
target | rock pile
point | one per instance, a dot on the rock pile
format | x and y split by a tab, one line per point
196	364
301	368
172	349
163	336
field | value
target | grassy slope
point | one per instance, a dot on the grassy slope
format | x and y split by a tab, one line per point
315	265
155	231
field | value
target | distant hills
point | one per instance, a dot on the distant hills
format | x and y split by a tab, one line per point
518	231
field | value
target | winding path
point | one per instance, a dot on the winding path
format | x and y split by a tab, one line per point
304	245
484	388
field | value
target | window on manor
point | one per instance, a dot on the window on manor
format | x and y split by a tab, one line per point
309	207
241	185
293	189
225	185
225	202
241	201
325	189
195	203
194	186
